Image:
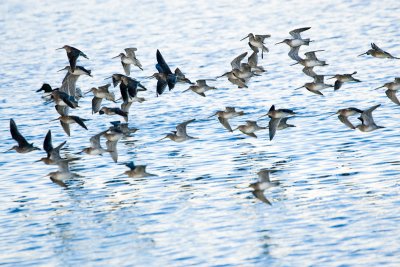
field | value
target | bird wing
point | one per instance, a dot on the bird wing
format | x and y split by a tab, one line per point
63	166
130	52
251	134
126	106
263	176
95	140
161	85
132	88
116	79
47	144
319	79
130	165
201	83
104	88
225	123
181	128
72	58
260	195
262	37
375	47
162	64
346	121
311	54
16	135
69	84
294	53
338	84
272	126
112	149
391	94
309	71
239	82
366	116
124	92
79	121
253	60
127	68
296	32
236	62
66	128
55	153
96	103
230	109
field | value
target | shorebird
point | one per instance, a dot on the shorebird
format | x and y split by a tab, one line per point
124	128
63	99
180	134
236	74
129	88
46	88
225	115
63	174
69	82
297	41
263	184
316	86
378	53
344	113
342	78
276	115
95	145
129	59
311	60
99	94
53	154
116	78
73	54
164	76
137	171
283	124
395	85
257	41
23	145
252	61
180	77
250	128
113	135
114	111
66	120
200	87
367	121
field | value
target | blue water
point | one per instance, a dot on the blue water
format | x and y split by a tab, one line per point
338	200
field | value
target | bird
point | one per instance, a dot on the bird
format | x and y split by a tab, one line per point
180	135
342	78
63	99
72	54
129	59
367	121
395	85
53	154
252	61
23	145
113	135
116	78
311	60
378	52
297	41
200	87
63	174
164	76
257	41
276	115
237	74
344	113
124	128
95	145
129	88
263	183
225	115
66	120
137	171
114	111
283	124
250	128
316	86
100	93
71	77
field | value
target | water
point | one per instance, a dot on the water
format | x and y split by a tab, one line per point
338	202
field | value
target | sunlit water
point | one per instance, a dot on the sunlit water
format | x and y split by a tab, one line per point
338	199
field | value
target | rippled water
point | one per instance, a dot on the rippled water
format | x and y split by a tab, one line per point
338	199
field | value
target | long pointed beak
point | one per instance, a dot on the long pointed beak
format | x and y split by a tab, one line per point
294	64
38	160
279	43
162	139
244	38
55	119
235	129
212	116
115	57
108	78
61	70
362	54
299	87
149	77
263	116
379	87
330	78
87	92
332	115
8	150
60	48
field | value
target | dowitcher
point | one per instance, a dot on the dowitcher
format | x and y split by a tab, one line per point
124	128
258	42
63	99
180	134
129	88
250	128
297	41
342	78
378	52
129	59
99	94
114	111
69	82
344	113
23	145
66	120
73	54
95	145
311	60
53	154
367	121
276	115
180	77
164	76
263	184
225	115
316	86
200	87
137	171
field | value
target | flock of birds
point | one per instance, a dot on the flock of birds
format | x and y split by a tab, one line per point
66	98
